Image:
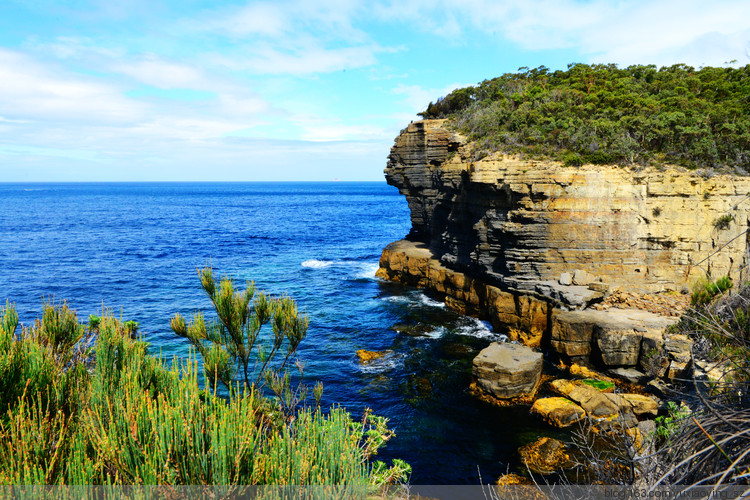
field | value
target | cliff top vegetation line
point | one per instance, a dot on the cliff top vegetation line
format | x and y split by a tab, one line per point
601	114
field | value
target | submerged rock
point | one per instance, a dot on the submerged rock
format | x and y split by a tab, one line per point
366	356
507	370
418	330
545	456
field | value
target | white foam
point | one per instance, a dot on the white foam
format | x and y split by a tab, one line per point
386	363
398	299
368	270
436	333
480	329
316	264
424	299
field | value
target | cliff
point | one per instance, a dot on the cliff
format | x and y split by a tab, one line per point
514	222
519	241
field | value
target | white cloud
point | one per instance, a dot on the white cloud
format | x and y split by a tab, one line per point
267	19
155	71
625	32
266	59
30	90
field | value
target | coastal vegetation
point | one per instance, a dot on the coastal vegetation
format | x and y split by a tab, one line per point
602	114
87	404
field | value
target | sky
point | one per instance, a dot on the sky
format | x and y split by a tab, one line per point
191	90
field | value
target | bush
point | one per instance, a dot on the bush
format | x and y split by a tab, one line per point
706	289
698	118
723	222
113	414
572	160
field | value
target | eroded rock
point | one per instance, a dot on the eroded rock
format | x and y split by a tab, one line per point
507	370
545	456
558	411
595	403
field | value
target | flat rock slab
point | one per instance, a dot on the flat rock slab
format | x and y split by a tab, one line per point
630	375
618	319
558	412
592	401
569	295
507	370
617	333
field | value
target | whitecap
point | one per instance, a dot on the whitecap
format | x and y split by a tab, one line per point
480	329
386	363
367	271
399	299
425	300
436	333
316	264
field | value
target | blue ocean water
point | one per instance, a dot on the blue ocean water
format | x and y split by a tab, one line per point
135	248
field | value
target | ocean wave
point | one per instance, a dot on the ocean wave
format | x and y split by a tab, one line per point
425	300
316	264
367	270
480	329
436	333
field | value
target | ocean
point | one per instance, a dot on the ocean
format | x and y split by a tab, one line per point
135	249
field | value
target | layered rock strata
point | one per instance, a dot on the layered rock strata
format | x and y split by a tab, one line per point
530	244
516	223
508	371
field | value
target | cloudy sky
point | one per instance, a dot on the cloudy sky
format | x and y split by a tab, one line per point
191	90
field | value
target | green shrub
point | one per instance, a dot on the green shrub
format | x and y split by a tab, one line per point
131	419
698	118
572	159
723	222
669	425
706	289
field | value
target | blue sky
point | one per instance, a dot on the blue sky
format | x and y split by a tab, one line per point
190	90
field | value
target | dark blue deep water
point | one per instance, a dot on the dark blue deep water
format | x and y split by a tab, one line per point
134	248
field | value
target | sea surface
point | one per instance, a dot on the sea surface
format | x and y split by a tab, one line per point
135	248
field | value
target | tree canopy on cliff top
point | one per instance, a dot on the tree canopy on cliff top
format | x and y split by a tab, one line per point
698	118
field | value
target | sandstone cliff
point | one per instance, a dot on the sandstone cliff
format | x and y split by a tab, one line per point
515	223
519	242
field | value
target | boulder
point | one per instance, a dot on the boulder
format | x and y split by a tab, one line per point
640	406
653	359
556	411
530	338
565	279
630	375
366	356
571	334
587	373
545	456
582	278
643	406
592	401
679	348
598	286
679	370
513	479
619	347
507	371
658	388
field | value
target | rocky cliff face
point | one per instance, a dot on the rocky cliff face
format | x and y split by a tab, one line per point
522	243
517	223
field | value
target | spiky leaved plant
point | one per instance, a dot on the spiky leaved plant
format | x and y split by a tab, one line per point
240	340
